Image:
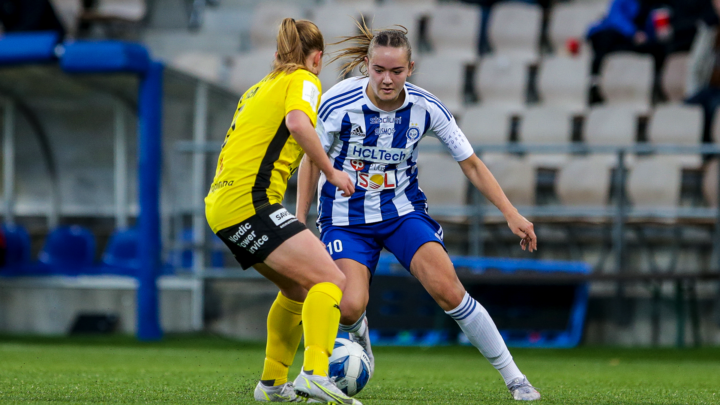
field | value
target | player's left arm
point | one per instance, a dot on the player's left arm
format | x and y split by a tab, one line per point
480	176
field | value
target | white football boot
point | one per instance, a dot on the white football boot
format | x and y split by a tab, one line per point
521	390
364	341
321	389
280	393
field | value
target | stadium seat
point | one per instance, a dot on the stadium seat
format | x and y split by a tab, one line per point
336	21
266	22
627	80
454	28
516	175
424	3
678	125
571	21
501	82
226	20
68	12
17	242
69	249
358	3
584	182
546	126
563	82
169	44
610	125
442	181
129	10
486	125
183	256
206	66
710	182
655	181
387	15
674	77
122	250
449	86
515	30
249	68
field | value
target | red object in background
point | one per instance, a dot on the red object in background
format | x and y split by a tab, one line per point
573	46
661	22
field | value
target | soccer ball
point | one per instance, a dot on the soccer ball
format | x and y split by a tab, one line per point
350	366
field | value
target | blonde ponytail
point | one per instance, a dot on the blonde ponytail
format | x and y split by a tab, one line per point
295	41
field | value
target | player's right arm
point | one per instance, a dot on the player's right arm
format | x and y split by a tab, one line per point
301	128
308	176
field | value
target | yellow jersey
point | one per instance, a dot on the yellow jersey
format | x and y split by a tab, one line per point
259	155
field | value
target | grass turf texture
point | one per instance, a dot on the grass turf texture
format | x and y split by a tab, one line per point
201	369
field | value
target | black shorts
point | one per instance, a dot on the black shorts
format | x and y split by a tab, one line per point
252	240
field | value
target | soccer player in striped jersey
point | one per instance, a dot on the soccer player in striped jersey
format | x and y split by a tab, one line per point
370	127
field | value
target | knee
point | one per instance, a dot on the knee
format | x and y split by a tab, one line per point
351	310
333	275
338	278
295	292
450	297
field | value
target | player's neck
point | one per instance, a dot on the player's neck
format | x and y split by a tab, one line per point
390	105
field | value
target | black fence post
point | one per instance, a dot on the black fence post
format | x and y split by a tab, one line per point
622	313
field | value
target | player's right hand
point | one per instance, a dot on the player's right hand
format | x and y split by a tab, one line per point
341	180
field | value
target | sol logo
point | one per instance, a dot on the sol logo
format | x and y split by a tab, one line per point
357	165
377	181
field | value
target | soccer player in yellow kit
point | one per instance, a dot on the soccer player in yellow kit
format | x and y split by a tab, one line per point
273	126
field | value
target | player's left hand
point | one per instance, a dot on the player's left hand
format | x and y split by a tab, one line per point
524	229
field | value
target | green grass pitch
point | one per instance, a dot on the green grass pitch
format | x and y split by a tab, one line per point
201	369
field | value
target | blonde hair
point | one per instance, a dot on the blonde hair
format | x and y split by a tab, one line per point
365	43
295	41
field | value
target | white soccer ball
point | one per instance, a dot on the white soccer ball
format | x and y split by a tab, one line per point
350	366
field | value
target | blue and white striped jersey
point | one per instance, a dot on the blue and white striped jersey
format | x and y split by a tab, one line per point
379	150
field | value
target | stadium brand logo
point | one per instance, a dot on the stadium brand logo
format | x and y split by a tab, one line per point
357	164
242	230
413	134
385	120
377	181
282	217
378	155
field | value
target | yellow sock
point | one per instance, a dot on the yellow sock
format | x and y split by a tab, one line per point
320	318
284	333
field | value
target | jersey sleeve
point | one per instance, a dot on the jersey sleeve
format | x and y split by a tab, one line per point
450	135
303	94
326	138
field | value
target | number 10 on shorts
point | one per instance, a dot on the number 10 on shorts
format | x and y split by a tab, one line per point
335	246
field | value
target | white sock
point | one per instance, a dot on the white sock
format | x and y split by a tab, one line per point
357	329
480	329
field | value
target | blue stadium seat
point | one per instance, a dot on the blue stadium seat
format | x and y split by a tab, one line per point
69	250
17	242
184	258
121	253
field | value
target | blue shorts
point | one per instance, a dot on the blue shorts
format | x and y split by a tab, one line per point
402	236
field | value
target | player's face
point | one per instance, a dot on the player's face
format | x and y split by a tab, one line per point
388	69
